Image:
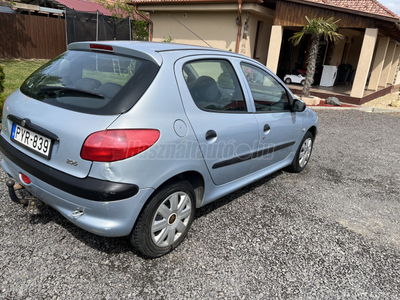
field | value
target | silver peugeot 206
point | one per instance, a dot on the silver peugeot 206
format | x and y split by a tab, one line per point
129	138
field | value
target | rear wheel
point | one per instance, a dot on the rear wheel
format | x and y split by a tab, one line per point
165	221
288	80
303	154
303	82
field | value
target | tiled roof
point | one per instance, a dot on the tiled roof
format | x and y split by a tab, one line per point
191	1
367	6
85	6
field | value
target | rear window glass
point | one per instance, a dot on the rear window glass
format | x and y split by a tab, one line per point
91	82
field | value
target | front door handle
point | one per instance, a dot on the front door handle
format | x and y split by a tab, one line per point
211	134
267	128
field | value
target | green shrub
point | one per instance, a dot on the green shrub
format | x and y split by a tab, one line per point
2	98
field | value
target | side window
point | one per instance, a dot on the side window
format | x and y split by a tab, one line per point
214	86
268	93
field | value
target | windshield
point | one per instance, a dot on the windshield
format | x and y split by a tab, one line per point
91	82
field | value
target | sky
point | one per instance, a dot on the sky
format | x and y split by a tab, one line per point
393	5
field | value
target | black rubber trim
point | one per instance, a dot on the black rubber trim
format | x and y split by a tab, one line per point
87	188
238	159
27	124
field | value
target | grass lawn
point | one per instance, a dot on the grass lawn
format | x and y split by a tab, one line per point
17	71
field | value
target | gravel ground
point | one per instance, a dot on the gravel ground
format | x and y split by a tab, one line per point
331	232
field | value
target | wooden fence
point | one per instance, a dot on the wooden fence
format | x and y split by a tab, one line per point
24	36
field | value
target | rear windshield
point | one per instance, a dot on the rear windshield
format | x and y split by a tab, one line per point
91	82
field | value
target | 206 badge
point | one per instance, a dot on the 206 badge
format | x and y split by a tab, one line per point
72	162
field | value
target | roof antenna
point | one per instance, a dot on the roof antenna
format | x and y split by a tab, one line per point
191	31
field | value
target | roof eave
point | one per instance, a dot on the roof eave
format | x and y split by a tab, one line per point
347	10
172	2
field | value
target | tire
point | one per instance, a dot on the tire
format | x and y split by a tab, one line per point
165	221
303	154
288	80
303	82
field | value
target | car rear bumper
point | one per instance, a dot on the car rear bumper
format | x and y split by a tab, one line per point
105	218
114	218
87	188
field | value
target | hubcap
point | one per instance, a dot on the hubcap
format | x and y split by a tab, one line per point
305	152
171	219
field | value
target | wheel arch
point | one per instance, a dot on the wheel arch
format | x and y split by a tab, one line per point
193	177
313	130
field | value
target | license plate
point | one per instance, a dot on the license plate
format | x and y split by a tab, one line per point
31	140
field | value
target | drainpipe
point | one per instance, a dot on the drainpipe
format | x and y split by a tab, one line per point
97	26
239	26
147	19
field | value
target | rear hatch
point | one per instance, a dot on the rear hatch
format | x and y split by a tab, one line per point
69	98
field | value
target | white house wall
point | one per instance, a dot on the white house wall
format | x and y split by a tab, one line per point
219	29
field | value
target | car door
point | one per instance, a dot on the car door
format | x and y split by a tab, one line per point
214	103
278	126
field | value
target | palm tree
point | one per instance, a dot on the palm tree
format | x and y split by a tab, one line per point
317	28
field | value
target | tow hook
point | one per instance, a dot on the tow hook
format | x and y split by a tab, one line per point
31	201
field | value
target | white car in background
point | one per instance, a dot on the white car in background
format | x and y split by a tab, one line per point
291	78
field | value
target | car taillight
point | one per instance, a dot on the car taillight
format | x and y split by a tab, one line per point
25	178
113	145
101	47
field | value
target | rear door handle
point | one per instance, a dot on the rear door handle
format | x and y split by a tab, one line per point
211	134
267	128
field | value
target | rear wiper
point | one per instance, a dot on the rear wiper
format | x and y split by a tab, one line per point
51	89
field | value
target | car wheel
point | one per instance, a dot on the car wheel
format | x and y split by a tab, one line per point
165	221
303	154
303	82
288	80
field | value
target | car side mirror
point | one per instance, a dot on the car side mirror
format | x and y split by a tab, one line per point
299	105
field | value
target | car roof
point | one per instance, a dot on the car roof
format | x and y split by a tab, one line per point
146	50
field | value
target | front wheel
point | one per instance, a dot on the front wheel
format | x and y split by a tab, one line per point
165	221
303	154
